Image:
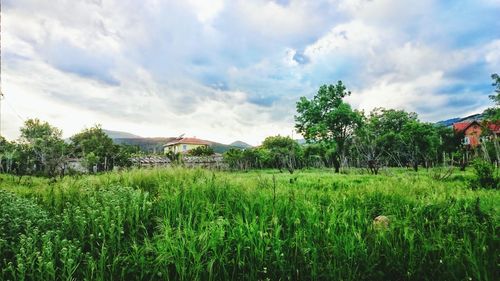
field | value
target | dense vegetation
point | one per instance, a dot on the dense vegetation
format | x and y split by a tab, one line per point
41	151
373	223
261	225
338	136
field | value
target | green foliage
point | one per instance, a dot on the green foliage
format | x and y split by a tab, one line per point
98	150
243	159
277	152
174	157
449	140
421	142
283	152
315	155
493	113
397	138
496	83
180	224
18	216
42	147
486	175
201	151
328	119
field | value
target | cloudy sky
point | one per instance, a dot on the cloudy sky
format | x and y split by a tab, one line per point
233	70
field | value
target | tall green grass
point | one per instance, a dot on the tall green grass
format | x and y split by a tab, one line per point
180	224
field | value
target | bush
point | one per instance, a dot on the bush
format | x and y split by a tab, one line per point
18	216
485	175
201	151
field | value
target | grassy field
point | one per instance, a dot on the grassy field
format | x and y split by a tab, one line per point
180	224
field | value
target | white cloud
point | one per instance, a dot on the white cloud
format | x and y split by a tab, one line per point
206	11
492	55
390	92
353	37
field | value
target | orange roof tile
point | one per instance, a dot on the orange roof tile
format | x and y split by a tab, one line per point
188	141
461	126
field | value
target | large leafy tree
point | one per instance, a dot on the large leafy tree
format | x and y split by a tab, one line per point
493	113
449	142
421	142
327	119
243	159
46	146
7	155
284	152
97	150
384	129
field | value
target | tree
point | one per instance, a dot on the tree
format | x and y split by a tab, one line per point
381	138
493	113
327	119
421	142
45	142
6	150
368	146
315	155
284	152
201	151
242	159
449	142
496	84
96	148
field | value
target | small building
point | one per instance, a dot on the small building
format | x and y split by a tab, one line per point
183	145
472	132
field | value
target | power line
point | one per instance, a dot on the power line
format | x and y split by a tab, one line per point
15	111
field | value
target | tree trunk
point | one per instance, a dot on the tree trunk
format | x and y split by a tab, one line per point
336	164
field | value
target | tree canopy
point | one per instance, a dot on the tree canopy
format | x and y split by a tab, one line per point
327	119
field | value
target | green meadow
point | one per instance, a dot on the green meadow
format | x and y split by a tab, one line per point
194	224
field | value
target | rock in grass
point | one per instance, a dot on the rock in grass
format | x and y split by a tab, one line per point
381	223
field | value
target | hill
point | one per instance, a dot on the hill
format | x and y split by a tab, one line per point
221	148
149	145
155	145
120	135
240	144
470	118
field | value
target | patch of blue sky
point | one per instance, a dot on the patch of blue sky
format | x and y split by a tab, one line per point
265	101
465	23
475	71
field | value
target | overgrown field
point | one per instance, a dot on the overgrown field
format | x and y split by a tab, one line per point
179	224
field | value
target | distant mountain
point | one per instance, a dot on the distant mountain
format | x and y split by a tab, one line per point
221	148
448	122
474	117
470	118
120	135
150	145
240	144
155	145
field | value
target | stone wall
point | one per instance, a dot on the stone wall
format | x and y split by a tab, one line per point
211	162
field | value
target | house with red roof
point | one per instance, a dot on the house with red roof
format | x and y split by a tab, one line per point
183	145
472	131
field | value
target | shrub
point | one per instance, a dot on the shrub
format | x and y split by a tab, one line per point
18	216
201	151
485	176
